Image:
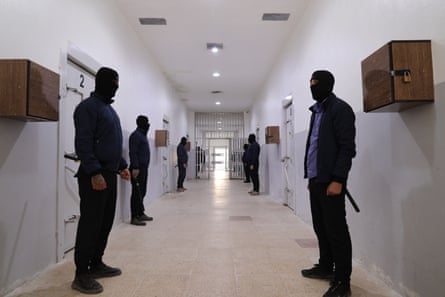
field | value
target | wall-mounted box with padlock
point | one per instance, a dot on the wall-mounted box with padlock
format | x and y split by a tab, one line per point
398	76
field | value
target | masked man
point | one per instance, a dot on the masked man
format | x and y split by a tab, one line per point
139	161
330	148
98	143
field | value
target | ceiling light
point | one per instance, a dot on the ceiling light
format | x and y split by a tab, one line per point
153	21
218	103
276	16
214	47
216	74
288	97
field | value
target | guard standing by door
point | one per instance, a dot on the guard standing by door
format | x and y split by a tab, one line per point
139	162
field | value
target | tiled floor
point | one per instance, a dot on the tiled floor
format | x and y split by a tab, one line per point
213	240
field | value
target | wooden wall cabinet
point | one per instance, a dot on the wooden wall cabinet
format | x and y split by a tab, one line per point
398	76
28	91
188	146
273	134
161	138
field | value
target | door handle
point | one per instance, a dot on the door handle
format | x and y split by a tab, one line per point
71	219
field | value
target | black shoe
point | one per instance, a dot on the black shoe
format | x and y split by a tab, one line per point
247	181
103	270
338	289
86	284
318	272
144	217
137	222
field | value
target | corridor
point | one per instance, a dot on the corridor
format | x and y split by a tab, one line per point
213	240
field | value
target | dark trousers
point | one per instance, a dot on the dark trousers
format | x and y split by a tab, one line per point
138	191
255	178
246	172
97	209
181	175
329	221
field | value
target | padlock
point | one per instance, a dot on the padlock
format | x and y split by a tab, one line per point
407	76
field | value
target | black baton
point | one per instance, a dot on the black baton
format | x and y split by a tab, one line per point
352	201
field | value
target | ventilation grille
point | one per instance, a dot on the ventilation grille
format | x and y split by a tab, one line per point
153	21
276	16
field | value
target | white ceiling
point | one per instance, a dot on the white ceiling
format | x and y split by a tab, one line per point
251	45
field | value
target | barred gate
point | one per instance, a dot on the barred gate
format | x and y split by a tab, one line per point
216	134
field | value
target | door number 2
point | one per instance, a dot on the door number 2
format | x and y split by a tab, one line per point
82	81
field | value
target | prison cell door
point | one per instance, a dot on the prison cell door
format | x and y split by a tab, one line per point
79	84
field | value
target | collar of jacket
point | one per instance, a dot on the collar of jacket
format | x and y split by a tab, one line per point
103	98
143	131
323	104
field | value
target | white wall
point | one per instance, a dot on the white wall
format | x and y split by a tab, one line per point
40	31
396	177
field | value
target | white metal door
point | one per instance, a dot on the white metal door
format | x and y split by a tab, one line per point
79	84
289	166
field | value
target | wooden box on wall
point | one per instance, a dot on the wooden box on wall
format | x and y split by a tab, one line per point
28	91
273	134
161	138
397	76
188	146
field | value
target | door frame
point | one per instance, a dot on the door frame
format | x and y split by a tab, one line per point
79	57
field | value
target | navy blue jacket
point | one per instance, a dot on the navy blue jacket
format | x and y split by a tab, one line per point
182	154
336	141
253	154
139	149
98	136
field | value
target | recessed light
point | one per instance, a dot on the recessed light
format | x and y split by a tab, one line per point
216	74
218	103
214	47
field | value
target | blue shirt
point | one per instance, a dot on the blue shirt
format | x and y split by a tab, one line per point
317	111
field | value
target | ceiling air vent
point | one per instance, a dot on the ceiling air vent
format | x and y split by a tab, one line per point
216	92
276	16
153	21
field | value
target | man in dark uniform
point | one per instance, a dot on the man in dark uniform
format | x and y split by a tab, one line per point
182	156
253	163
139	161
330	148
98	143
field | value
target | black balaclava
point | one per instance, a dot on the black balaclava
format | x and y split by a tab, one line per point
107	82
142	122
183	141
325	84
251	138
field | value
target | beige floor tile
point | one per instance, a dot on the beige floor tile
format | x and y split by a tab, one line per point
213	240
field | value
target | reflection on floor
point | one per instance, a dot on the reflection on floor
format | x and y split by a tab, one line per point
213	240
